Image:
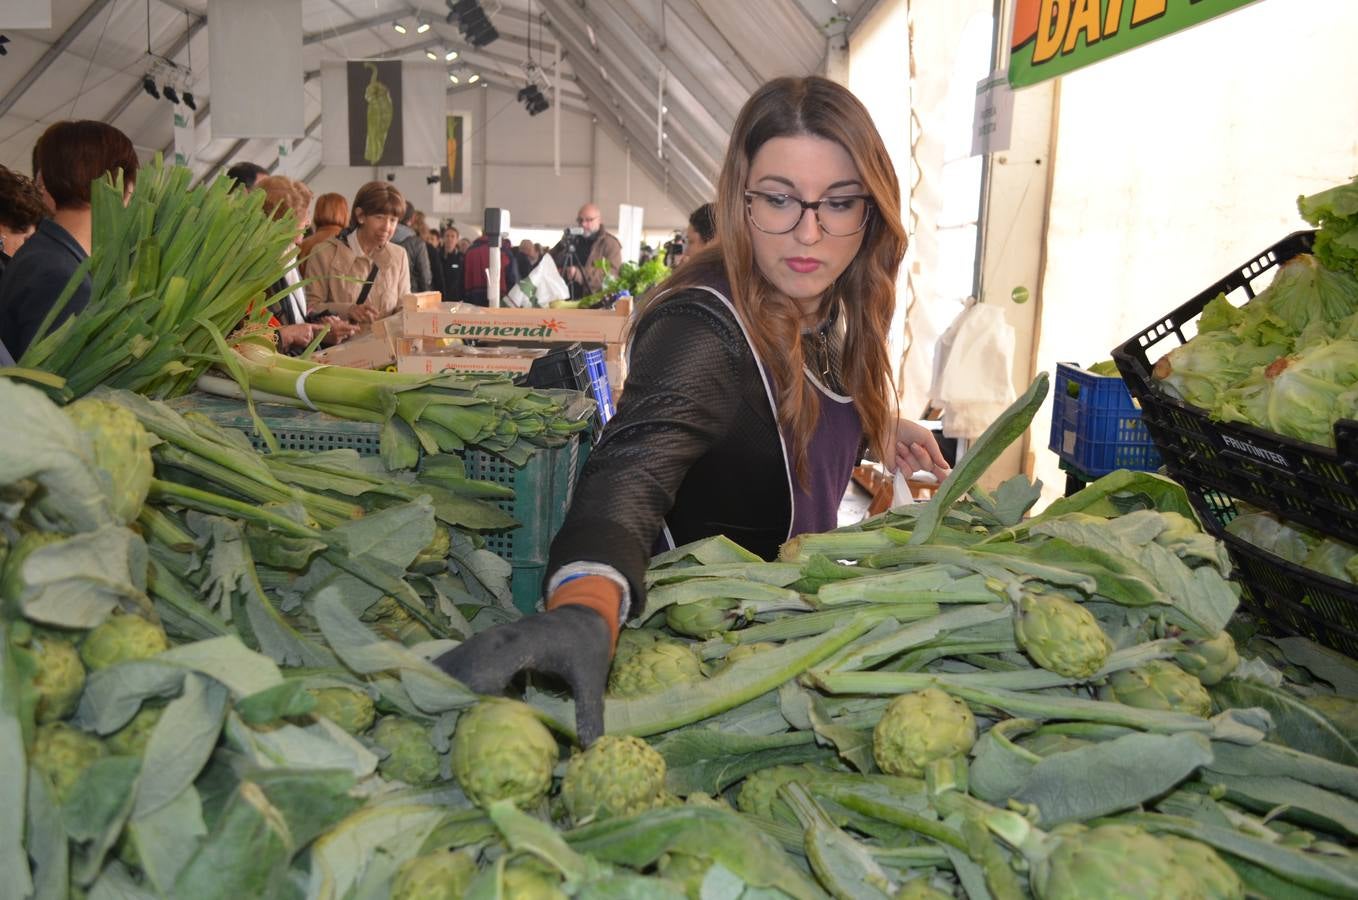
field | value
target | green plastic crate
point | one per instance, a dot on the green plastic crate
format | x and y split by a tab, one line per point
542	488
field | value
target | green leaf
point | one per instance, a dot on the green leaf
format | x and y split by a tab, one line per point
226	659
50	450
1293	800
245	855
999	768
1337	670
1294	723
14	762
167	839
47	846
99	805
113	695
1115	775
841	863
282	701
701	759
984	451
116	883
312	800
339	857
639	841
1274	760
706	552
180	743
430	688
320	744
77	582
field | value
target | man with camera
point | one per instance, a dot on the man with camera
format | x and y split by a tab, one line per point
581	247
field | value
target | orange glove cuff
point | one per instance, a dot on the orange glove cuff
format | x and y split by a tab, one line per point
596	592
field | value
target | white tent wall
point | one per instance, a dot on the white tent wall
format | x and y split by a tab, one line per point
1178	161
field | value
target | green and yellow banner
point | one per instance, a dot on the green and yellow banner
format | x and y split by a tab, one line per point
1054	37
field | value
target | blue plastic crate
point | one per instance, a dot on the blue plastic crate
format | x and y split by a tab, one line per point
1096	425
597	369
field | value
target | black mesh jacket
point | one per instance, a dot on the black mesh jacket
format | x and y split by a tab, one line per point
694	446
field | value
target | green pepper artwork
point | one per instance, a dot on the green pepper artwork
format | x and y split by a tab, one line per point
378	98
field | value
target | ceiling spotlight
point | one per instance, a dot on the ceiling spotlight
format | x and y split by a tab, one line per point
431	179
473	79
148	84
450	55
4	39
430	54
189	101
453	78
462	7
422	28
400	29
171	94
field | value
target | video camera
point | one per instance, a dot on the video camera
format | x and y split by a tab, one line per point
674	250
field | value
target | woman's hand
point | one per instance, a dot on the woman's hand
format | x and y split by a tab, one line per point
917	450
290	336
340	330
362	314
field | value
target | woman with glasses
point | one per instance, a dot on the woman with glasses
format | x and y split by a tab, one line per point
759	373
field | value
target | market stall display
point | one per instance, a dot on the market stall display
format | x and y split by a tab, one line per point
952	696
1255	402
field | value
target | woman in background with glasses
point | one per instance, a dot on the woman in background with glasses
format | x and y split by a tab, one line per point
759	374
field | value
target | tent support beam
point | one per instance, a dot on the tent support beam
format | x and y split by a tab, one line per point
51	54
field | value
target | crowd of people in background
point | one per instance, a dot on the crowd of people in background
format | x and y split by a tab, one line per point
357	256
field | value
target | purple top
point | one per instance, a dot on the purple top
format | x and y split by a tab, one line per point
830	458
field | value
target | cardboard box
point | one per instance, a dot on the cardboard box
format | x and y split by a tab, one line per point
372	348
424	357
423	315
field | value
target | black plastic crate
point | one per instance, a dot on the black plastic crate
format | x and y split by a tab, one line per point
1305	483
1287	596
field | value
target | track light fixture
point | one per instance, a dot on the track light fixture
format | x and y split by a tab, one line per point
189	101
170	93
399	27
432	178
472	21
452	76
450	55
474	78
4	39
148	84
422	28
430	54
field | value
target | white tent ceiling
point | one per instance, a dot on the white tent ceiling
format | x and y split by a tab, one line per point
709	54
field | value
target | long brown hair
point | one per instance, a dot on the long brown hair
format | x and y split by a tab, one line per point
866	290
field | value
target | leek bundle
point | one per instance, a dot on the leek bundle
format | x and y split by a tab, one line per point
166	269
441	413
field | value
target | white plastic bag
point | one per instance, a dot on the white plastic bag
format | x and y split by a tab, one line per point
974	378
547	285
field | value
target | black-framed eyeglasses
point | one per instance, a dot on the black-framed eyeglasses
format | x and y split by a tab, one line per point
838	216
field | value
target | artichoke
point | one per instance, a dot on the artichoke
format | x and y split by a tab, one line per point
130	740
1110	862
349	708
1210	660
742	651
1159	684
394	621
655	668
60	677
121	451
616	776
920	889
531	883
685	869
920	727
502	751
411	756
63	754
1060	635
703	618
442	875
120	638
759	791
1200	863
